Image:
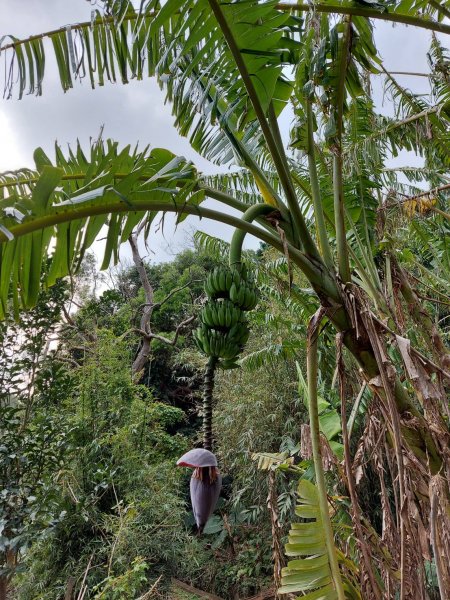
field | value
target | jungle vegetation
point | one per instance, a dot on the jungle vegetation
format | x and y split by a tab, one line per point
334	429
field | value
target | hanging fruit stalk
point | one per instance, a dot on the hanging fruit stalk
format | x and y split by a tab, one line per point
223	330
222	335
207	402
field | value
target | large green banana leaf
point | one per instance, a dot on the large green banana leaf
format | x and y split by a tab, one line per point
82	187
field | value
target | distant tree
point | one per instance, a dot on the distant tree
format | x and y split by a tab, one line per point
34	437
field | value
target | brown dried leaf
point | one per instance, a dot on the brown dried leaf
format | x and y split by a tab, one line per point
328	457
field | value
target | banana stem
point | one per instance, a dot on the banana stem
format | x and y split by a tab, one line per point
252	213
338	185
322	234
207	402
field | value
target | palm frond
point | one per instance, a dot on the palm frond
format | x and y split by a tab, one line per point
421	126
413	175
271	461
183	46
271	354
242	183
439	62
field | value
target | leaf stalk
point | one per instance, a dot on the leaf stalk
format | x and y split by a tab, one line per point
276	152
312	369
322	234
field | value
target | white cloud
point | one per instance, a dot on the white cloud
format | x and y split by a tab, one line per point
11	156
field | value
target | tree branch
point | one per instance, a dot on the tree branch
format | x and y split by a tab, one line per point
173	292
172	342
145	330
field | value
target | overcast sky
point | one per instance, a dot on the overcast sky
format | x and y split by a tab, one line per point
136	112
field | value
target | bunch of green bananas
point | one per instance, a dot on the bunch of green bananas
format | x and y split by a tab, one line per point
244	296
224	332
216	343
220	313
220	280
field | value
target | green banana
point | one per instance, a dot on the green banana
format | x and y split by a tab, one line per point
233	292
206	344
236	277
204	316
251	299
223	314
230	351
198	342
241	295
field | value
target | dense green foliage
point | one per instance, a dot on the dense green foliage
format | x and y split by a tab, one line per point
34	435
107	512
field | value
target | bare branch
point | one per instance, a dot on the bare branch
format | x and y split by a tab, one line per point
149	306
161	338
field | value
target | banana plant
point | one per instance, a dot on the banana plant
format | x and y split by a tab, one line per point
229	71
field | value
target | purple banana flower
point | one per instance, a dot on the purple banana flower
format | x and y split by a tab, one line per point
206	483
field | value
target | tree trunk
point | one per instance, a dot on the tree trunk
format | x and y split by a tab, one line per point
357	340
11	561
69	588
144	351
3	587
